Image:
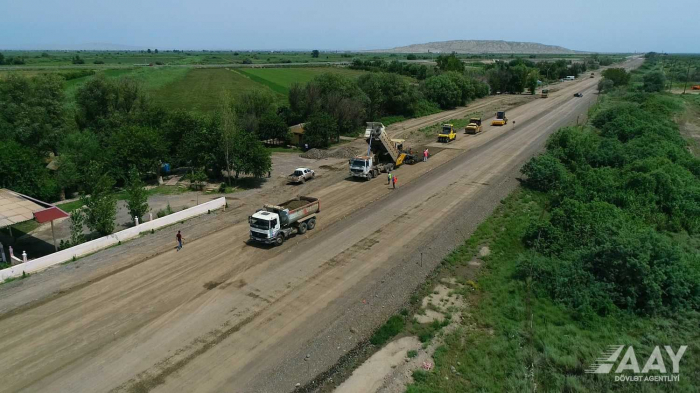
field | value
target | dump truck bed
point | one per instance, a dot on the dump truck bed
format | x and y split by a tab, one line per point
295	209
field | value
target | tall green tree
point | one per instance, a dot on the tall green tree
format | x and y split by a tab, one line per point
100	204
228	130
77	221
654	81
450	63
619	76
249	155
23	170
441	90
251	106
33	111
136	195
135	146
319	130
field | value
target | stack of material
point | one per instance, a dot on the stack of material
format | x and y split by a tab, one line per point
341	152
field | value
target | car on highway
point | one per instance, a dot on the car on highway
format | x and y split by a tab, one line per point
578	94
301	175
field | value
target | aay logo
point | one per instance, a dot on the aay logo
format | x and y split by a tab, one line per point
605	364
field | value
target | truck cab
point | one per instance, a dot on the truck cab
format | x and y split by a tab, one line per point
545	93
264	226
363	166
447	134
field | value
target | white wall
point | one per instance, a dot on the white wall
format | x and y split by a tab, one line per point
92	246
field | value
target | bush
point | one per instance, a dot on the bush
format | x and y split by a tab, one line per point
614	192
164	212
545	173
619	76
654	81
392	327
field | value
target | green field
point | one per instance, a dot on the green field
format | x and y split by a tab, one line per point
201	90
280	79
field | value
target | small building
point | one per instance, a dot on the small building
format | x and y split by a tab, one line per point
297	134
16	208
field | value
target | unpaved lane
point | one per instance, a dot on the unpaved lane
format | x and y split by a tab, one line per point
224	316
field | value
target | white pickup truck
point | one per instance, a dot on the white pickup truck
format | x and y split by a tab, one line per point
301	175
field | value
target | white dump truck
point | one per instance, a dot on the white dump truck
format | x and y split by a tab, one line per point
273	224
383	154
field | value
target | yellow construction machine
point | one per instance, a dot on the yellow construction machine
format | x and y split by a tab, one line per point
447	134
474	126
500	119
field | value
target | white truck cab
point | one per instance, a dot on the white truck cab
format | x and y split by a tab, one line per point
264	225
363	166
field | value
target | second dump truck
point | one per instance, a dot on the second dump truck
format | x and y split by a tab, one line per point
273	224
500	119
383	154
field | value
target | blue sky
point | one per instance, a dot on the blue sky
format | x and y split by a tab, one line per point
591	25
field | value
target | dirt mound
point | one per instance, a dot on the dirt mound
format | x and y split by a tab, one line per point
341	152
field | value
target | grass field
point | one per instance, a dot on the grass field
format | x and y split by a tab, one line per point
280	79
201	90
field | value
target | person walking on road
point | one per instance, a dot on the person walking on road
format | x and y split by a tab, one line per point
427	154
388	180
394	180
179	240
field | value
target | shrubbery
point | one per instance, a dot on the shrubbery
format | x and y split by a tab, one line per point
616	191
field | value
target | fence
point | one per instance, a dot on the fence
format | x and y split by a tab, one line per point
92	246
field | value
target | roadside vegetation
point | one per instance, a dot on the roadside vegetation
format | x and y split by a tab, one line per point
600	247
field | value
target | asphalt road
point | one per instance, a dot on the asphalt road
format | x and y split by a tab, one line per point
222	315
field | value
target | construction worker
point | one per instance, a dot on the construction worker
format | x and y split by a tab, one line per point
394	180
179	240
388	180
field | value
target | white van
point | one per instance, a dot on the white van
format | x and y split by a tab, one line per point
570	78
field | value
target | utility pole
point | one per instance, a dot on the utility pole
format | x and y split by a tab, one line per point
687	76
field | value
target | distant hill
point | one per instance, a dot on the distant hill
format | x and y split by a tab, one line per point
481	46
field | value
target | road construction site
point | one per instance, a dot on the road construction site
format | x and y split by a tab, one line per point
225	315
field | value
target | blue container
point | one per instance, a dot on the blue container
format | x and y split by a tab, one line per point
166	168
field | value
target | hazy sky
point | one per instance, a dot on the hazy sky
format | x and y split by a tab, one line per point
591	25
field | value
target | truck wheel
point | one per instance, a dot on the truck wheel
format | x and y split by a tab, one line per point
279	240
370	175
303	180
302	228
311	224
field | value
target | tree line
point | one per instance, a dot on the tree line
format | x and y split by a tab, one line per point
49	148
11	60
